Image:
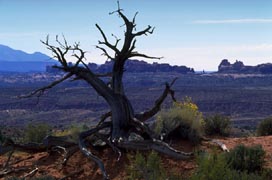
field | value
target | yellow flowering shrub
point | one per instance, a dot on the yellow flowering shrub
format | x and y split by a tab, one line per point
183	120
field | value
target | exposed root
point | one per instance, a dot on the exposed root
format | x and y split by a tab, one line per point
9	171
31	173
72	174
61	148
68	148
86	152
112	145
217	142
98	161
142	127
70	152
9	157
20	160
155	145
48	143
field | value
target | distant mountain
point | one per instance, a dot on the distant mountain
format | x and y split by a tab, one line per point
141	66
135	66
20	61
238	67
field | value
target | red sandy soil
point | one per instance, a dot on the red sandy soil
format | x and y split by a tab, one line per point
80	168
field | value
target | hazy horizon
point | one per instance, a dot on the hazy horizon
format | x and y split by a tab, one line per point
193	33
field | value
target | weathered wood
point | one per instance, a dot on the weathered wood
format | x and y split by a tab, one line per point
217	142
9	171
155	145
31	173
87	153
9	157
157	106
69	153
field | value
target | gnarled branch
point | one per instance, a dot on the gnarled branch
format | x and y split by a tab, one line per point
40	91
136	54
105	52
148	30
157	106
104	117
106	42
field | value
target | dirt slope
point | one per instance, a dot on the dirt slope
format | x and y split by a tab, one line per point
80	168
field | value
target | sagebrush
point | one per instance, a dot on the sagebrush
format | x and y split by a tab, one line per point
182	120
215	166
265	127
148	168
217	125
249	159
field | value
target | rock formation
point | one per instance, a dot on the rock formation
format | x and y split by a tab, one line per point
238	67
136	66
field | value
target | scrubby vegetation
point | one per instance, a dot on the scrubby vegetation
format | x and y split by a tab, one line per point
240	163
243	163
208	92
249	159
147	168
182	120
215	167
265	127
217	125
36	133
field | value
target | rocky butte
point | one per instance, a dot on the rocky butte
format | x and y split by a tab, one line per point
239	68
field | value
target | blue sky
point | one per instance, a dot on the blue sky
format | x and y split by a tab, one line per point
194	33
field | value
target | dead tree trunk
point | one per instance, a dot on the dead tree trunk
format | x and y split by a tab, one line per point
122	113
123	119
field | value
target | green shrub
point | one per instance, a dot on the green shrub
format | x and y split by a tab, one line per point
182	120
217	125
36	133
2	137
210	166
265	127
267	174
215	167
249	159
149	168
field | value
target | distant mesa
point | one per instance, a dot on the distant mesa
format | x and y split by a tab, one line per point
238	67
135	66
12	60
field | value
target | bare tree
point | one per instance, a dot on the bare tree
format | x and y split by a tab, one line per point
121	121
